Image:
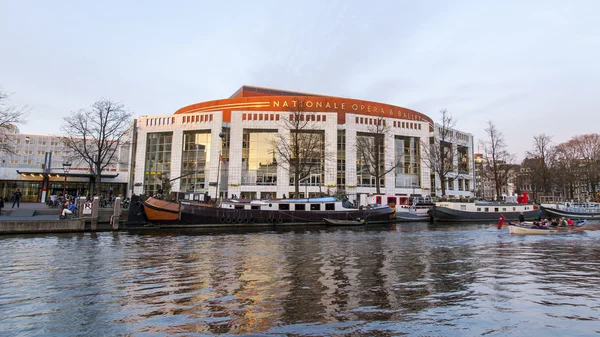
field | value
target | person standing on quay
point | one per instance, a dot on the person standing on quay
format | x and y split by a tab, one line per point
17	196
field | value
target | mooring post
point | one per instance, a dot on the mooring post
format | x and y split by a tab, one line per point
114	220
95	207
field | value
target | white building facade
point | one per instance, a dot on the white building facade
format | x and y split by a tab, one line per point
225	148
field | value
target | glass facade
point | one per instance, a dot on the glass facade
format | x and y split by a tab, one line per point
157	169
363	177
31	190
408	157
259	163
195	161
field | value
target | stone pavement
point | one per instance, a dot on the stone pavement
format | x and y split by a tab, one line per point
26	211
25	205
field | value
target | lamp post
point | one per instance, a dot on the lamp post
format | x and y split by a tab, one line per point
221	135
66	168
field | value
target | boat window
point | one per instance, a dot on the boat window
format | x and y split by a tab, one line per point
504	209
391	200
284	207
255	207
330	207
514	209
239	206
486	209
317	207
300	207
478	209
463	207
495	209
377	201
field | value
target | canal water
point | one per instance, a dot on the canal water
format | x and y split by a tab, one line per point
405	279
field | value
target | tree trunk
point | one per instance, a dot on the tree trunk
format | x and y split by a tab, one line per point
443	185
98	180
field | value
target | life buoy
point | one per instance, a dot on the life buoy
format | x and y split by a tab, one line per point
228	220
279	220
246	220
239	220
222	219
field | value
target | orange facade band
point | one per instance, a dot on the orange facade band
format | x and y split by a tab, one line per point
311	104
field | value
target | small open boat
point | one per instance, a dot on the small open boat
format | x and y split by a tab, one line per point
334	222
525	229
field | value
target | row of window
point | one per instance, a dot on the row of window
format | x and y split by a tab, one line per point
197	118
407	125
160	121
260	117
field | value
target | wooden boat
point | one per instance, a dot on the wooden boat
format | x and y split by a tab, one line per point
482	211
573	210
332	222
526	229
407	208
277	211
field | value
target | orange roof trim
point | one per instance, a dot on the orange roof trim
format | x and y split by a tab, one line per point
286	101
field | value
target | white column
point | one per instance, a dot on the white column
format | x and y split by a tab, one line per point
283	176
235	153
389	161
140	161
176	152
330	151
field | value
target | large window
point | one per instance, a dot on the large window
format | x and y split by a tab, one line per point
195	161
463	159
408	157
366	145
341	158
157	169
259	163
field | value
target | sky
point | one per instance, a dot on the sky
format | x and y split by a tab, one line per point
530	67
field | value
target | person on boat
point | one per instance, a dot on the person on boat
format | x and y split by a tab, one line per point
570	222
521	217
563	222
554	223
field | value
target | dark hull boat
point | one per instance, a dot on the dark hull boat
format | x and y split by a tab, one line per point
280	211
583	211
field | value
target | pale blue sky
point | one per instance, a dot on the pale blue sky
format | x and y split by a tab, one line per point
530	66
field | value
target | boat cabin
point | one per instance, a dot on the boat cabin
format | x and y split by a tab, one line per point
310	204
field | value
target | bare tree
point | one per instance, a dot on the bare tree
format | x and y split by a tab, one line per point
566	168
94	135
440	153
305	152
10	116
370	150
540	173
498	162
588	150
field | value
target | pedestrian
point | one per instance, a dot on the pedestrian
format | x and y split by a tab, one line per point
1	205
17	196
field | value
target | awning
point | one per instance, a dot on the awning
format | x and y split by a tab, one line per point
53	174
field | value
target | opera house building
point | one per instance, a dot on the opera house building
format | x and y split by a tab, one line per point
240	146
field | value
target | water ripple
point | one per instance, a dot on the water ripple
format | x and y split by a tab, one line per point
413	280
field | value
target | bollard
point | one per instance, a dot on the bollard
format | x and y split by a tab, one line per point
114	220
95	207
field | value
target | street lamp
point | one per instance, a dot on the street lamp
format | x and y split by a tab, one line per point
221	135
66	168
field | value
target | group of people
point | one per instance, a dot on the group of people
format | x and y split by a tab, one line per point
547	223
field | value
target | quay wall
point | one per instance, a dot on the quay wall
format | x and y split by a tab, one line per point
41	226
